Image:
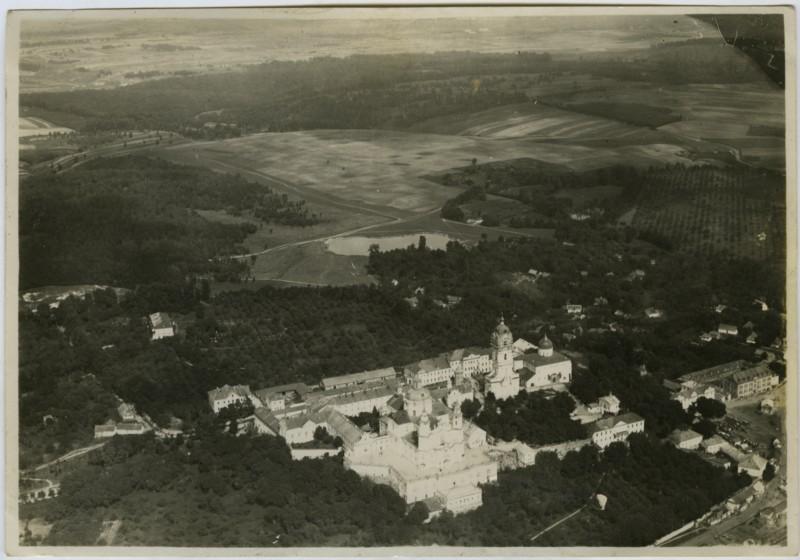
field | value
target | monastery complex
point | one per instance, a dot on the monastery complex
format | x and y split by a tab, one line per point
423	447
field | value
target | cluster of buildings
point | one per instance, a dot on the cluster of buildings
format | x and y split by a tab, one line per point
733	380
131	424
423	447
720	452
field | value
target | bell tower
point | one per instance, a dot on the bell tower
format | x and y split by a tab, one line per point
502	355
504	381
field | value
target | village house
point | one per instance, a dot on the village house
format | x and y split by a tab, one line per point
653	313
608	404
686	439
573	308
690	391
129	428
728	329
713	445
753	465
161	326
227	395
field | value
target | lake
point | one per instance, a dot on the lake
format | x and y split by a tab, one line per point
359	246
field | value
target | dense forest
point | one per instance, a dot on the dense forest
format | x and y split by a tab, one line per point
368	91
544	191
130	220
220	490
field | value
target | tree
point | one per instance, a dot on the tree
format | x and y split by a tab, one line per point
709	408
769	472
470	408
417	514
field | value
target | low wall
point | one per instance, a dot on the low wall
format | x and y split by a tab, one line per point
298	454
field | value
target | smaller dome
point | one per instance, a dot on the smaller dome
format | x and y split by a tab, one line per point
545	344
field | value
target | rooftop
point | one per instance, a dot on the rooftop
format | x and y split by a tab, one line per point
299	388
715	373
680	436
536	360
160	320
227	391
360	377
614	421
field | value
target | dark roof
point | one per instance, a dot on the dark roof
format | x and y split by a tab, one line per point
360	377
715	373
269	419
671	385
299	388
537	360
608	423
400	417
679	436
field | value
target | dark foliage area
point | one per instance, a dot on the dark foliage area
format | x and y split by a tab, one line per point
531	418
652	488
130	220
543	189
367	91
220	490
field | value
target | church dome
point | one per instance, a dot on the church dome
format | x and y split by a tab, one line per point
545	343
502	328
501	335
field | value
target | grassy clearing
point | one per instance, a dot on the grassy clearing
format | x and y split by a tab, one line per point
311	264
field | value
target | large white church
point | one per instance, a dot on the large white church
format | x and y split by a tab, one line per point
514	371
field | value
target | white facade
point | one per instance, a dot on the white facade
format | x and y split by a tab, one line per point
161	326
426	451
547	367
686	439
503	382
619	428
609	404
429	372
227	395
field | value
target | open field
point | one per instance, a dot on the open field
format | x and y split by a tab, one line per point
726	114
384	168
34	126
526	120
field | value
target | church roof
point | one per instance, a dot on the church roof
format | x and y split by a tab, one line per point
535	360
545	343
